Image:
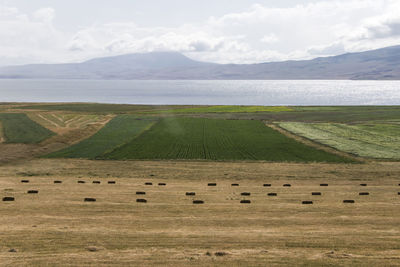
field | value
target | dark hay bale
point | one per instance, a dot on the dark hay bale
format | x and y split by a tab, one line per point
363	184
92	249
398	193
267	185
287	185
208	253
111	182
272	194
12	250
316	193
245	201
33	191
220	254
96	182
235	184
307	202
245	194
212	184
348	201
81	182
25	181
323	185
152	175
89	199
364	194
148	183
198	202
190	193
140	193
58	182
141	200
8	198
162	184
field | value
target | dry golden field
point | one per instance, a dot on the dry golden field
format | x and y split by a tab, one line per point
57	228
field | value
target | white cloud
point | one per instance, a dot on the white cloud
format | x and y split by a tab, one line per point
45	14
258	34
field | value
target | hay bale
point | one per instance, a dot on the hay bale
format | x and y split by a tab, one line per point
148	183
162	184
363	184
8	198
25	181
348	201
267	185
272	194
364	194
198	202
212	184
190	193
307	202
81	182
245	201
58	182
398	193
111	182
245	194
141	200
323	185
140	193
220	254
287	185
33	191
316	193
96	182
234	184
89	199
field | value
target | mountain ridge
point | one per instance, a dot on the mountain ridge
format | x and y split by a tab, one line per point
379	64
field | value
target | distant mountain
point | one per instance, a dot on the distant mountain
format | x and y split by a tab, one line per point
380	64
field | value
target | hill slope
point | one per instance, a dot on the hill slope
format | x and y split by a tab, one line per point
380	64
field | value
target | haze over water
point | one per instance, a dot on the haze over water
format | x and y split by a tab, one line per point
226	92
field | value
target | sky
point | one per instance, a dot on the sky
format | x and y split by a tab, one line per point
222	31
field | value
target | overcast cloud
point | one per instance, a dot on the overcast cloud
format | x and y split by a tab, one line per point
250	33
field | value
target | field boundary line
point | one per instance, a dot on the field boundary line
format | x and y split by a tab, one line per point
133	138
315	144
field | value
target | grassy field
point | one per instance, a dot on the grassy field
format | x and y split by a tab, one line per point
57	228
117	132
226	109
18	128
373	140
189	138
97	107
280	113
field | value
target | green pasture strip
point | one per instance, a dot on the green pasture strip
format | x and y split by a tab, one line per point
211	139
226	109
1	133
373	140
19	128
99	108
118	131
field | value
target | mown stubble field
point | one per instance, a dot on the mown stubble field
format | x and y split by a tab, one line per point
55	227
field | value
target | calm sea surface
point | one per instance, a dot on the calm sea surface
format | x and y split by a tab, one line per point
310	92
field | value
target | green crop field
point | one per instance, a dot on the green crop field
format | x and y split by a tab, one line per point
18	128
227	109
118	131
374	140
210	139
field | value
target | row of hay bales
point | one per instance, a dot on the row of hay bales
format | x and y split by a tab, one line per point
244	201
